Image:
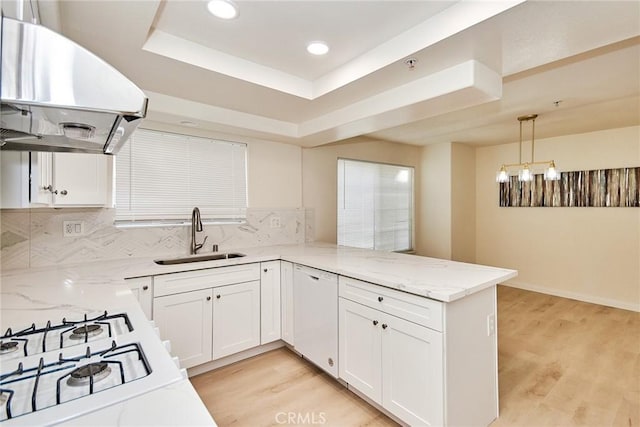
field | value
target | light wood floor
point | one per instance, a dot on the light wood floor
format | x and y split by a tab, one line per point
561	363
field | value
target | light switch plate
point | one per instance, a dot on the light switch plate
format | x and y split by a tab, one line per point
72	228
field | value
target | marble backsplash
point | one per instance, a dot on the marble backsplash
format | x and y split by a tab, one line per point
33	237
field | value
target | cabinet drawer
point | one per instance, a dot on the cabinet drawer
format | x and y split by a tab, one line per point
169	284
413	308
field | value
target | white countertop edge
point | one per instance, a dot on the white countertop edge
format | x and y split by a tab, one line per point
317	255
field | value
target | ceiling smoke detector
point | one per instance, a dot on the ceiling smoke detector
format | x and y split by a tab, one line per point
411	63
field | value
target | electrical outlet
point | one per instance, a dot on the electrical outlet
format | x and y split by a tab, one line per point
72	228
491	324
275	222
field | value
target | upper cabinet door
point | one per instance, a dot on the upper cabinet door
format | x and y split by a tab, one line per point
80	179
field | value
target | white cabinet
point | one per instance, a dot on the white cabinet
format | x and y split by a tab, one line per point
142	289
360	354
14	179
395	362
236	318
270	301
186	319
286	304
70	179
412	372
209	314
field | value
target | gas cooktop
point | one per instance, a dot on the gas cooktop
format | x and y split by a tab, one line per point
56	371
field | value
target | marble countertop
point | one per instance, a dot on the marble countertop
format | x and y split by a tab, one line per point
177	404
434	278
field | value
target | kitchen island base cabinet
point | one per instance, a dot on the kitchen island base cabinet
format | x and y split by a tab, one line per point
186	320
236	318
424	362
395	363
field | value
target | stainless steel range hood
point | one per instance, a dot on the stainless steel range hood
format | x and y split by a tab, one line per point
58	96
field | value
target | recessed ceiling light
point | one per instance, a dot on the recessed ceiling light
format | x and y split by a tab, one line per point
224	9
317	48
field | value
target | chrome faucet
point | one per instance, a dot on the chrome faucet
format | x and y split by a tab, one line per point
196	225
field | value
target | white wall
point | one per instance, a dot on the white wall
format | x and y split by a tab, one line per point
463	203
320	179
447	223
592	254
434	230
275	175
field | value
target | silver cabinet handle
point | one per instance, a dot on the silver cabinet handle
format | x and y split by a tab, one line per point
145	288
218	296
64	192
380	299
208	298
375	323
314	277
385	326
265	270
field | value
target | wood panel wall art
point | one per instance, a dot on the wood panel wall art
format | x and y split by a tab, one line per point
594	188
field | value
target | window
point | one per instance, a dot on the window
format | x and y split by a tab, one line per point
161	176
375	205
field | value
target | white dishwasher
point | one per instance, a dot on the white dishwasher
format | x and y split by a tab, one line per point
316	316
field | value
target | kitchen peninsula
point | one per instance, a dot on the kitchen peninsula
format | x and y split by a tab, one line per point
408	296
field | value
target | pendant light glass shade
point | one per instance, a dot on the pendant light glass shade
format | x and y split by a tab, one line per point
552	173
525	174
502	175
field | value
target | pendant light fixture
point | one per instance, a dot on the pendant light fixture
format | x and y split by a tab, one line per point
525	172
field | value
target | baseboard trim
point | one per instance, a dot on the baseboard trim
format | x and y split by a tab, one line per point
575	295
209	366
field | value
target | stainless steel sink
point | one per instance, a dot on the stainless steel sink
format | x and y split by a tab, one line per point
198	258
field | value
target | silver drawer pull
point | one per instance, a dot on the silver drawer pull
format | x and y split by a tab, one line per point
314	277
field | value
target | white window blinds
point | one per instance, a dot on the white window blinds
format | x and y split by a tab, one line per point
162	176
375	205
